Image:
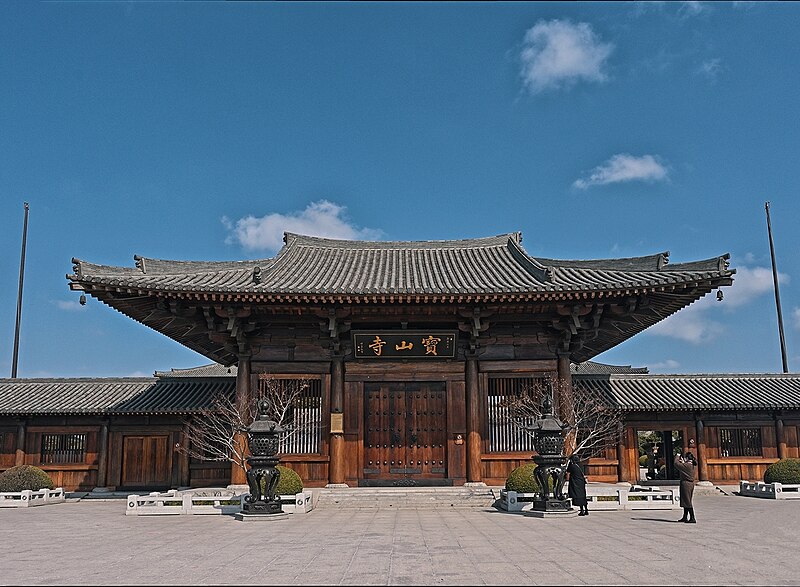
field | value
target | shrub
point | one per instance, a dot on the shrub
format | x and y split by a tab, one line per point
24	477
521	480
785	471
289	483
643	461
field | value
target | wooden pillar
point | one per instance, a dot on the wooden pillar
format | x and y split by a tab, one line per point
21	434
102	457
243	396
473	400
185	473
622	462
780	438
563	401
337	467
702	460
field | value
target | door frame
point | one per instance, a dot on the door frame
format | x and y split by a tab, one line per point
359	372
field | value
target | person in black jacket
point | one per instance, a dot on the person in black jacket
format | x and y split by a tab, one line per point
577	485
686	465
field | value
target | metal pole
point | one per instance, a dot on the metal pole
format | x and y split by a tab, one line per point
777	291
19	295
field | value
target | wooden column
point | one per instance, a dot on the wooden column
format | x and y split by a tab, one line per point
622	461
102	457
337	467
186	474
20	457
702	460
243	395
780	438
473	400
563	401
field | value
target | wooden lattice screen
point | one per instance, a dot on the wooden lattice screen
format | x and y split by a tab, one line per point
303	435
63	448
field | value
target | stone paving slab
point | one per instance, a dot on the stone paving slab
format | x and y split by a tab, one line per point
737	540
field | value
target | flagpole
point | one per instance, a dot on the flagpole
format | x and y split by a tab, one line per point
777	292
19	295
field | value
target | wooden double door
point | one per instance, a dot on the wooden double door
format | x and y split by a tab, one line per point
405	433
146	462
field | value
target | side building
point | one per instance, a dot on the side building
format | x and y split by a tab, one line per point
125	433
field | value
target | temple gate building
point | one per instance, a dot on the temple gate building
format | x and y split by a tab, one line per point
409	347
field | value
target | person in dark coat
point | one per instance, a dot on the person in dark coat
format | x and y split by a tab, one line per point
686	466
577	485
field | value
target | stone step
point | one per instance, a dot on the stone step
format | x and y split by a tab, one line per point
406	497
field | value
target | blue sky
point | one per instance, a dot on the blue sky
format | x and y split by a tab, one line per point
204	130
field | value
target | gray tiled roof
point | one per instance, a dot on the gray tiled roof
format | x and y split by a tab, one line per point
110	396
185	395
595	368
210	370
472	267
696	392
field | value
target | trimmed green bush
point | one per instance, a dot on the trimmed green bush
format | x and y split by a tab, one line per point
24	477
643	461
521	480
289	483
786	471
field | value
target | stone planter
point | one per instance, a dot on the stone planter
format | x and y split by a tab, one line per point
27	498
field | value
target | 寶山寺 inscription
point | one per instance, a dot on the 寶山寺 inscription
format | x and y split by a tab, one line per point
405	344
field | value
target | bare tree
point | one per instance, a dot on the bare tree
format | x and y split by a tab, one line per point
594	422
216	433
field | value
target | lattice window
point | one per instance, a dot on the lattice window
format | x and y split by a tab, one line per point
740	442
303	419
63	448
504	435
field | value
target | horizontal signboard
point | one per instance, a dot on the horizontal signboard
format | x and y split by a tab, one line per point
405	344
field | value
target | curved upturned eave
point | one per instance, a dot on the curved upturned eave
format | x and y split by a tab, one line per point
319	270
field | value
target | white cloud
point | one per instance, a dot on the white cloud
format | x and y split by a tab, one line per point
667	365
690	324
624	167
322	218
796	318
694	324
557	54
693	8
69	305
711	68
750	283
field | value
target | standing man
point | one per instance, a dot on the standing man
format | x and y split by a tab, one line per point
686	466
577	485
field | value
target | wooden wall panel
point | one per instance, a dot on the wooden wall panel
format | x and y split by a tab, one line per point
791	438
8	448
209	474
456	425
353	431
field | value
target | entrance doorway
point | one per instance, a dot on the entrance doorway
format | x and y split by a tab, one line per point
657	450
405	434
146	462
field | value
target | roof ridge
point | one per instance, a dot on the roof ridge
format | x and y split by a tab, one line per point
295	239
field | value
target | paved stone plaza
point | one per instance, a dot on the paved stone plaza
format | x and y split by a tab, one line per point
738	540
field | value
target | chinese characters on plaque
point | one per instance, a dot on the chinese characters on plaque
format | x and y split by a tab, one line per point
405	344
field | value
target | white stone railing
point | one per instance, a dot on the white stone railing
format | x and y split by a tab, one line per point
769	490
174	502
28	498
605	498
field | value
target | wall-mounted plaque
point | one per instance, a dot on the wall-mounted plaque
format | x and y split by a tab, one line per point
337	423
405	344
